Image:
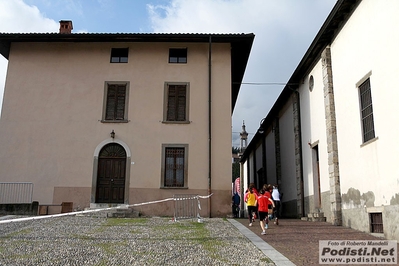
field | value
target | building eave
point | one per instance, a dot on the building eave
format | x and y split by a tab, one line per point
337	18
241	45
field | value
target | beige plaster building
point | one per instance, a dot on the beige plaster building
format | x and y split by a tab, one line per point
116	119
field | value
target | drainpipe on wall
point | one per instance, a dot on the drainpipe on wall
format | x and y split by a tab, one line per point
210	124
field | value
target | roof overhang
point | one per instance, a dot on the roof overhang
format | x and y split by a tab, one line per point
241	45
337	18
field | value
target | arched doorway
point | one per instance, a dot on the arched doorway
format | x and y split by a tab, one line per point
111	174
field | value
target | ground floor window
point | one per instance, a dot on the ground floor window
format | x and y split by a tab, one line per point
174	166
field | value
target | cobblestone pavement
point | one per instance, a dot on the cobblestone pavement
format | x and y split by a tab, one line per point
299	240
97	241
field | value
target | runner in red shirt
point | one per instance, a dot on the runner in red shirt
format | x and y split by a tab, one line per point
263	202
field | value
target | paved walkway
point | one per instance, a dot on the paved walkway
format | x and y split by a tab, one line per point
268	250
296	242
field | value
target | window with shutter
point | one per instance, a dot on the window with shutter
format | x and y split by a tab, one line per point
176	103
115	104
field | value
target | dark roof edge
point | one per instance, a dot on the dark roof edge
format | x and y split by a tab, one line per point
241	45
240	52
337	18
7	38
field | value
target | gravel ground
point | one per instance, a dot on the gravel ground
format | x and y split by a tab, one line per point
88	240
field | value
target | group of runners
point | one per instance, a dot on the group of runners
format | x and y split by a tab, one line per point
264	205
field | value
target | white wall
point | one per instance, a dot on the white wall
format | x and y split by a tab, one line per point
287	151
368	45
314	130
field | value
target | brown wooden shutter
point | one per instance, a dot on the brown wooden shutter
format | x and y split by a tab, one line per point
181	103
120	106
171	103
116	96
110	111
176	103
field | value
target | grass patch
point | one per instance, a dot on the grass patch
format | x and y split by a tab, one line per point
107	247
111	247
83	237
197	233
124	221
205	239
17	233
266	259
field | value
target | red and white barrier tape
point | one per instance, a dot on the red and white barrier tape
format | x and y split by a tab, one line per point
98	210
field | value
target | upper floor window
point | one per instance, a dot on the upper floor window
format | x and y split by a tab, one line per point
366	107
115	102
119	55
176	102
178	55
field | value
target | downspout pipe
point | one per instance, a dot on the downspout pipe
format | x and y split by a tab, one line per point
210	125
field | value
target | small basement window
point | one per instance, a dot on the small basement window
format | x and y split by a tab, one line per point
376	223
119	55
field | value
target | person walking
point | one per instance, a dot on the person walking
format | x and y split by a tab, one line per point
277	203
251	199
263	207
235	201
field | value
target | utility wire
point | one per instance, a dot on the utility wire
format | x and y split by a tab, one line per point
266	83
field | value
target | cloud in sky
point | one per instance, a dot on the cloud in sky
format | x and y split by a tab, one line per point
283	29
283	32
16	16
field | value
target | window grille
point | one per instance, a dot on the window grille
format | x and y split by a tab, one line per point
178	55
119	55
174	167
366	111
376	223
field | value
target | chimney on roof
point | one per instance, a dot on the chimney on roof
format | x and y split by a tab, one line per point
66	26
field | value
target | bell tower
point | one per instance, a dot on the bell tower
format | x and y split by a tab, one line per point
243	139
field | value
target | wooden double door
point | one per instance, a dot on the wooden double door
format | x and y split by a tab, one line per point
111	174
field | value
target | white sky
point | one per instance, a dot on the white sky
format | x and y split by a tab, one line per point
283	32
